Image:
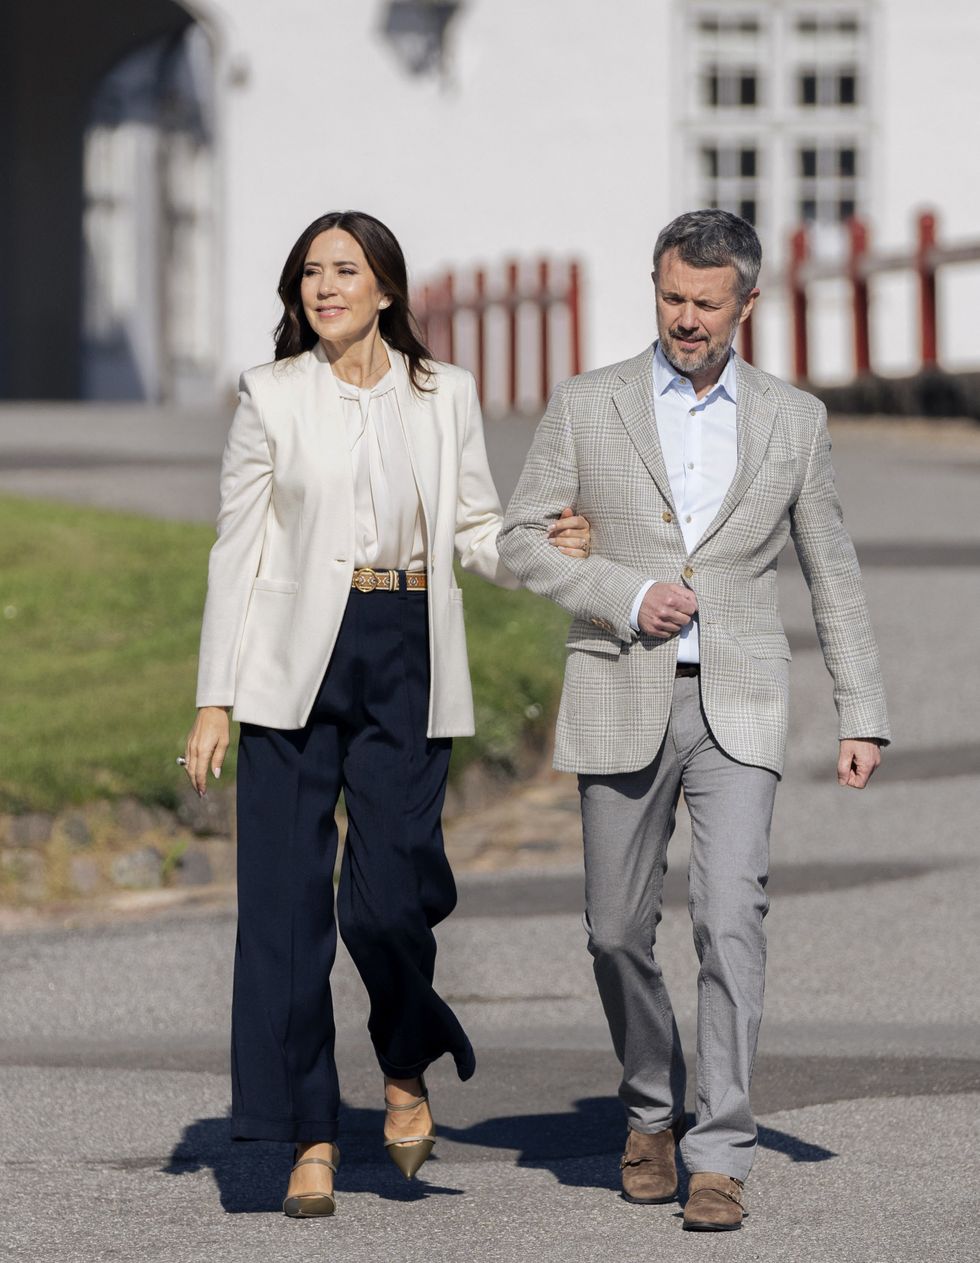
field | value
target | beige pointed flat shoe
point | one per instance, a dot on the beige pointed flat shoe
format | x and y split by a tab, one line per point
409	1152
312	1205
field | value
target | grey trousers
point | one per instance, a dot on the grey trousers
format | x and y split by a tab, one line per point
627	822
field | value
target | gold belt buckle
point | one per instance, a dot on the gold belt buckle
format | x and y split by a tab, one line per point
365	580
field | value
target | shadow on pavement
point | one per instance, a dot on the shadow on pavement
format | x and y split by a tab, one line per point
579	1148
251	1176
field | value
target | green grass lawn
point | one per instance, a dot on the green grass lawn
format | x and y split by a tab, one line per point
99	619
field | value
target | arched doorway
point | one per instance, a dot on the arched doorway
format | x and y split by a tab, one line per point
148	185
107	212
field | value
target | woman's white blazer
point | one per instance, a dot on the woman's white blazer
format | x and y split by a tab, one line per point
279	575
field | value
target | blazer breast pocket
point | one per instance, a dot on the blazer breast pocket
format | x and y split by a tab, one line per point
776	480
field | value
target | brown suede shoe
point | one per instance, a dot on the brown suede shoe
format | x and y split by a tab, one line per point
648	1167
714	1203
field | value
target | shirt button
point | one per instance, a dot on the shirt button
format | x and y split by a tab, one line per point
667	515
688	572
690	464
688	518
693	412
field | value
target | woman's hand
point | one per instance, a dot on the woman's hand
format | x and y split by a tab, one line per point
571	535
207	746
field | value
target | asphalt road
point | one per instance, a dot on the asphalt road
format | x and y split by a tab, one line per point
113	1039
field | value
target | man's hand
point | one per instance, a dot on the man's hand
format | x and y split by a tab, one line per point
857	762
665	609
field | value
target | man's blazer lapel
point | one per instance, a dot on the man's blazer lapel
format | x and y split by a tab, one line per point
755	415
634	402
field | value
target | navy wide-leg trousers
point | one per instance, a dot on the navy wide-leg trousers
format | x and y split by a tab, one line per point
365	736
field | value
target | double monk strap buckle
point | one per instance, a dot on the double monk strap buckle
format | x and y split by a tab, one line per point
367	580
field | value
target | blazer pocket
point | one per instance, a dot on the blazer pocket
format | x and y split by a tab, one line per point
764	644
286	586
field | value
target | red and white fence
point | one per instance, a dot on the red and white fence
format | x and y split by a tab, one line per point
518	328
860	267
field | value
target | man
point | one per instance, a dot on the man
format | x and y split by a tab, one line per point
694	468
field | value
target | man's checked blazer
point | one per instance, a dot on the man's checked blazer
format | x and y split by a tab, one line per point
597	448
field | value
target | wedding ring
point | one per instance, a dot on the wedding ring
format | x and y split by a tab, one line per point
181	761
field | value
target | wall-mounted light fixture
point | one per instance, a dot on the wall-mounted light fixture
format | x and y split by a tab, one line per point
416	30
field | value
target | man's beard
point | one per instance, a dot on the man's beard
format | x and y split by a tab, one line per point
713	353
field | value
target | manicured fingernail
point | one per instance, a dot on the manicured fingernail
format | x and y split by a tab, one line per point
217	773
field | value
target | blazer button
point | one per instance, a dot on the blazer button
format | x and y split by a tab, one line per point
688	572
667	515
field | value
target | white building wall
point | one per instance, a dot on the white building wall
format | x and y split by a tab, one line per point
554	131
929	104
543	138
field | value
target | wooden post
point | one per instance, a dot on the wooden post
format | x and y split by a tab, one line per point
512	303
544	316
799	250
449	287
481	332
926	271
859	296
575	318
746	341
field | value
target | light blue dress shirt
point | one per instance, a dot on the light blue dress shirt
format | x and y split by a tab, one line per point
699	442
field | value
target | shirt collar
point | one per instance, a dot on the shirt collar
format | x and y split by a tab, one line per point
349	391
666	376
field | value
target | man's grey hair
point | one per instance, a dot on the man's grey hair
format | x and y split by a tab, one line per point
713	239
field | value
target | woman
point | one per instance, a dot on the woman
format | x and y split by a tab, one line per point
354	468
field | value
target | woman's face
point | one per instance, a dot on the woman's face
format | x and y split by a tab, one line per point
339	292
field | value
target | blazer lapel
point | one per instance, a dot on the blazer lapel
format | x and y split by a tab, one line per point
634	402
415	412
325	434
755	416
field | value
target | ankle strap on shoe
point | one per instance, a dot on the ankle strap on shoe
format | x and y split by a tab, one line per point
305	1162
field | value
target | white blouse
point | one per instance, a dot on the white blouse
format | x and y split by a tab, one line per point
387	514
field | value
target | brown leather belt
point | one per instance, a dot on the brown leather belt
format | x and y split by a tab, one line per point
367	580
687	668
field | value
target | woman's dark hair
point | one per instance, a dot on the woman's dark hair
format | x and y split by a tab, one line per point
384	255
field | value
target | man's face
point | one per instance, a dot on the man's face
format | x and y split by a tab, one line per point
698	313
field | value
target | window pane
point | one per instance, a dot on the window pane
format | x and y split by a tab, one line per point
709	161
747	90
748	26
848	26
746	208
808	209
806	26
847	88
807	88
746	162
847	162
846	208
711	87
709	26
808	163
